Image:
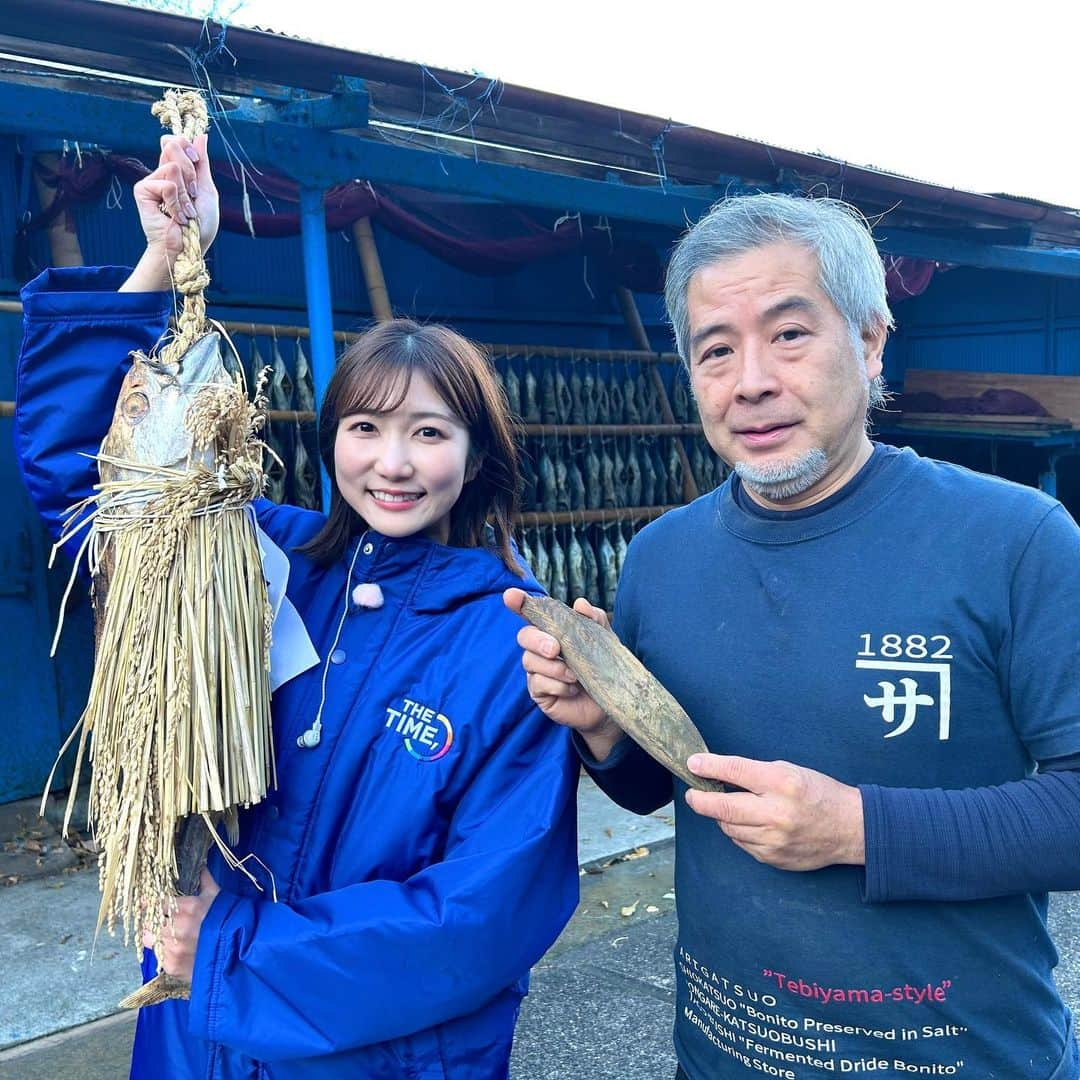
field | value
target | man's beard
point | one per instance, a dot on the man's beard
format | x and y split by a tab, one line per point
784	479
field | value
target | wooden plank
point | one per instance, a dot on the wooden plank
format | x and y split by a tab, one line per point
1059	395
1050	423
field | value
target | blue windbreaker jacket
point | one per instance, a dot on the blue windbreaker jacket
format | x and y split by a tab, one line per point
414	864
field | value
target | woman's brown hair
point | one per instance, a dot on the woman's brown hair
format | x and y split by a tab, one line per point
373	375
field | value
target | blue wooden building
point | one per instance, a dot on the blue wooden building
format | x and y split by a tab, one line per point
529	221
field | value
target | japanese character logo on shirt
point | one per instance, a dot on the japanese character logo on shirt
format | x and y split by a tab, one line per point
916	687
425	733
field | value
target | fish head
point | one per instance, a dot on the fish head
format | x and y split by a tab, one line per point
148	423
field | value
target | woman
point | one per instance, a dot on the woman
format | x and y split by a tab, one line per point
419	853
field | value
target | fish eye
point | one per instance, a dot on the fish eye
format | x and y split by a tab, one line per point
136	406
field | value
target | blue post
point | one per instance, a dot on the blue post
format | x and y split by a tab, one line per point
320	310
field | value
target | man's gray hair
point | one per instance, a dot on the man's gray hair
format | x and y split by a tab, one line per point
851	273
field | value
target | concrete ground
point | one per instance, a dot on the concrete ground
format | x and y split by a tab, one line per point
601	1005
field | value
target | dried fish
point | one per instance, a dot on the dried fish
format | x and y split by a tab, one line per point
575	568
608	496
608	571
513	389
591	590
562	486
620	550
621	685
526	552
528	481
281	385
648	475
618	404
602	398
630	402
660	468
274	470
541	564
697	464
680	398
577	398
633	477
546	490
593	493
646	396
674	473
564	401
575	485
588	394
558	569
549	406
618	474
531	403
305	382
304	479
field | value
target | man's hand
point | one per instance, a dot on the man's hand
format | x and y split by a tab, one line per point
180	189
555	688
180	937
787	816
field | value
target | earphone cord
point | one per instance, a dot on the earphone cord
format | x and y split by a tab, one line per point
311	737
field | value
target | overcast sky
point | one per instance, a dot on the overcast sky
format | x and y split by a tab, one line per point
979	96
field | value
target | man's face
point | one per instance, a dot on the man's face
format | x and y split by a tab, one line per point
781	391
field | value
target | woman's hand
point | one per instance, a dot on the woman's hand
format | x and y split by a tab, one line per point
180	935
179	189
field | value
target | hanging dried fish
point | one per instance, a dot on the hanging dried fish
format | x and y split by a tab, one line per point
513	389
577	398
304	479
630	402
680	398
575	568
608	495
546	490
558	569
274	468
305	382
541	563
617	401
620	550
281	385
562	487
674	474
660	467
526	552
608	572
549	405
621	685
648	475
646	396
564	401
697	464
602	397
619	477
575	485
528	481
592	586
588	395
532	405
593	494
633	476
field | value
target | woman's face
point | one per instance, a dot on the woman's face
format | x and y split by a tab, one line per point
402	471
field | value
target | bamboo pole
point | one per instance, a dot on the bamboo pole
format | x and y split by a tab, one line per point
641	339
534	518
371	267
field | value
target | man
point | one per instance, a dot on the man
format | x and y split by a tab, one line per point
881	648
